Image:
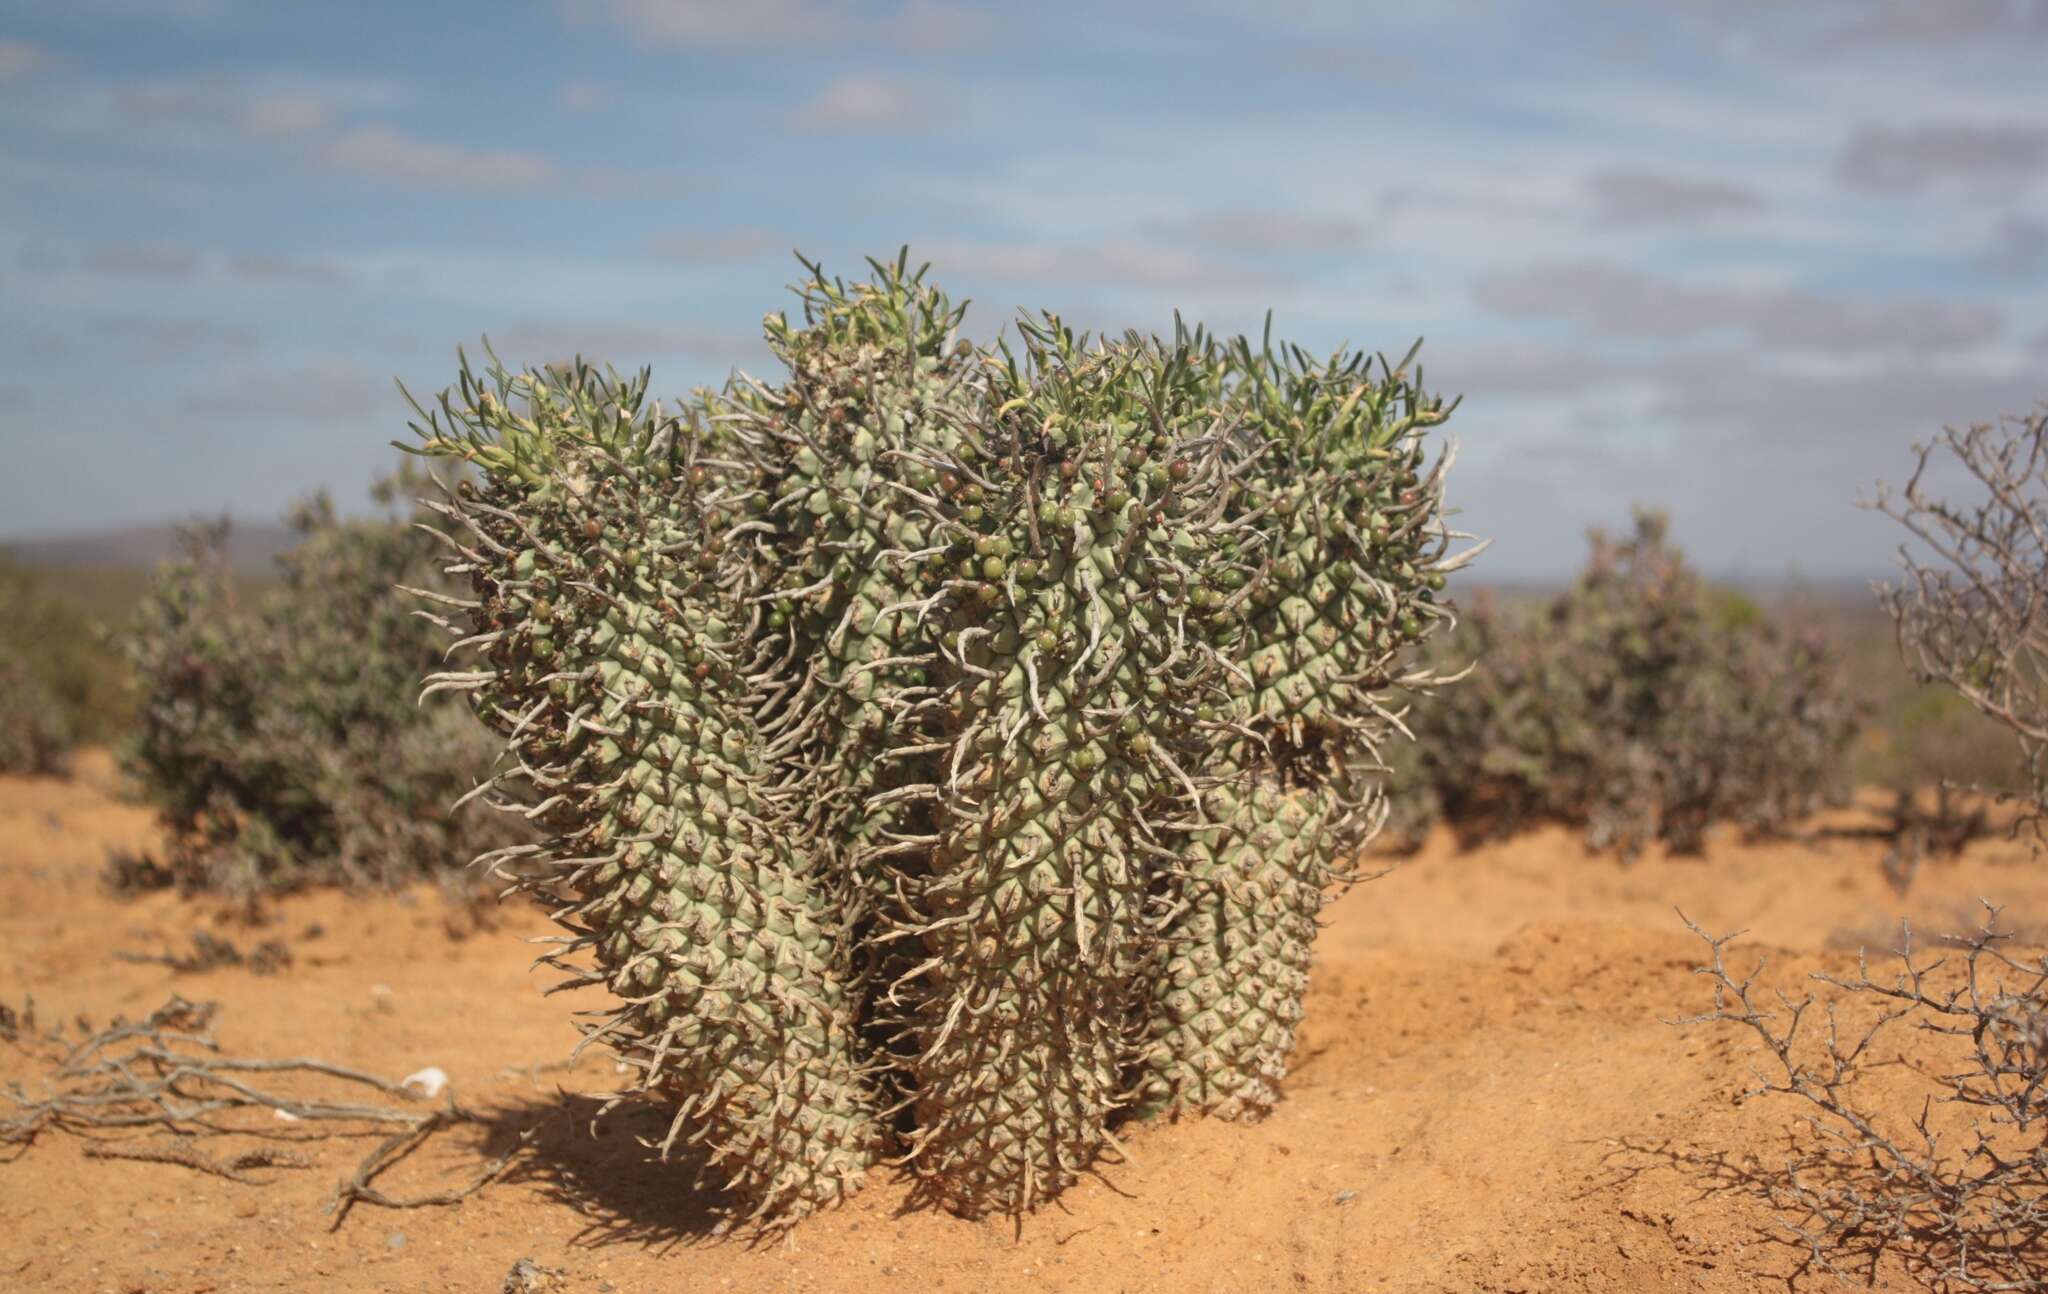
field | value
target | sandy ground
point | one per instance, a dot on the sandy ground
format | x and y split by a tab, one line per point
1486	1097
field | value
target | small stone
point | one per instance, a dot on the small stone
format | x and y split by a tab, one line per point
1345	1197
529	1277
396	1240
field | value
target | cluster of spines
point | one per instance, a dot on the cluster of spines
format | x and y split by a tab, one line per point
1059	677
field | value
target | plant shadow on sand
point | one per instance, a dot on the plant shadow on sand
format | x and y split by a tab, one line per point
608	1169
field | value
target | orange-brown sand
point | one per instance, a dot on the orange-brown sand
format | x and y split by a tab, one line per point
1486	1095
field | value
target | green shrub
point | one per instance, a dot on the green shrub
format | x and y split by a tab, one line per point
1642	704
34	737
277	735
64	652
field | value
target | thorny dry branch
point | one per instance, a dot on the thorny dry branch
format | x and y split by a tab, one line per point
1961	1202
164	1076
1975	616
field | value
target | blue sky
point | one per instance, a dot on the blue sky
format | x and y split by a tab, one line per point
1726	257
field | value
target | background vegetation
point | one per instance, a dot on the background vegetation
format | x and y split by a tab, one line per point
276	731
278	758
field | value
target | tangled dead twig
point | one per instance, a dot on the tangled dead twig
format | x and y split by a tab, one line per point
1958	1193
1972	607
165	1074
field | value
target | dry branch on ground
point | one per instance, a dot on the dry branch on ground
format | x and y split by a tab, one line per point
161	1090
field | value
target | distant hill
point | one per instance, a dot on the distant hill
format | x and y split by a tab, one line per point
252	545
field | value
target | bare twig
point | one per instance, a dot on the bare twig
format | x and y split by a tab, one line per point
1961	1201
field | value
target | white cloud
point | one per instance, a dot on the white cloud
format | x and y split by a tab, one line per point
392	154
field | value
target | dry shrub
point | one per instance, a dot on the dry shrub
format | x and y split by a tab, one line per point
279	739
1972	611
1925	1102
1642	704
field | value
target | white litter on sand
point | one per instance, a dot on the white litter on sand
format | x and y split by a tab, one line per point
429	1081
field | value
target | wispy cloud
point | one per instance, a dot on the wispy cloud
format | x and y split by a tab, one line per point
1115	263
1741	396
587	96
2019	246
1615	301
322	118
1521	370
624	344
719	247
864	102
158	262
178	338
1630	196
1938	22
284	269
20	59
1845	26
188	11
919	24
323	391
388	153
1263	231
1918	157
267	106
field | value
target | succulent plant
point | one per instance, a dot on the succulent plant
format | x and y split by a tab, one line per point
941	746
